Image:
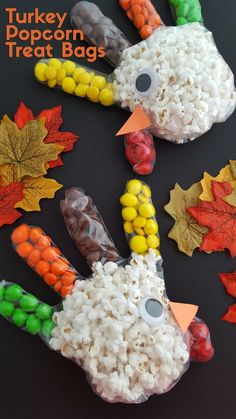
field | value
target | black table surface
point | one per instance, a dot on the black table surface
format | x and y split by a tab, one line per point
39	383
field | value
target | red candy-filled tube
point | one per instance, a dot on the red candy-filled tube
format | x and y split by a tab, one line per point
140	151
143	14
201	346
42	255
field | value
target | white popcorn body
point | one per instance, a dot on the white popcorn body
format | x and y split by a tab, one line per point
195	86
101	329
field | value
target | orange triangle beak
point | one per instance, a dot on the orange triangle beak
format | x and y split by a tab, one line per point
136	122
183	313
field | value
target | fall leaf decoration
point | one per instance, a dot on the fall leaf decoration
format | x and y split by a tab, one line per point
220	217
229	281
9	196
224	206
25	148
53	121
28	148
187	233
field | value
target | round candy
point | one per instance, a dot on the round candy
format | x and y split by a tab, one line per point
81	90
49	254
50	73
147	210
129	213
134	186
68	85
151	227
23	249
35	234
153	241
85	77
42	268
99	81
39	70
20	234
34	257
106	97
52	83
128	227
54	62
6	308
146	191
182	10
43	311
77	72
93	93
28	302
139	222
181	21
47	328
59	267
138	244
128	200
61	74
143	198
33	324
139	231
19	317
13	293
50	279
69	66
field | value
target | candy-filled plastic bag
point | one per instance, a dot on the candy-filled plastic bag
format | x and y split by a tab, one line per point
175	74
118	324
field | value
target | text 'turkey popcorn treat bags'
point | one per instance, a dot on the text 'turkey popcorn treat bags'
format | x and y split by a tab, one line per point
118	325
176	76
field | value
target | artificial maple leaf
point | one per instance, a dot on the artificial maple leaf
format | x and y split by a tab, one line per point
35	190
53	122
220	217
8	174
9	196
25	148
23	116
187	233
230	316
229	281
225	175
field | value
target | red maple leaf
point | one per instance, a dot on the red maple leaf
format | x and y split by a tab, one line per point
53	122
230	316
220	217
229	281
9	196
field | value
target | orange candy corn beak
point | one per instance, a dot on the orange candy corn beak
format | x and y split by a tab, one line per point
183	313
136	122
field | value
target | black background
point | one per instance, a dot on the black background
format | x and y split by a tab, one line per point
38	383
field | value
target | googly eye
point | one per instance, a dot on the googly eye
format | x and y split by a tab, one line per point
146	82
152	311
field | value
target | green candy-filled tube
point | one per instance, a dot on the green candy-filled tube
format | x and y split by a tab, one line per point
25	311
186	11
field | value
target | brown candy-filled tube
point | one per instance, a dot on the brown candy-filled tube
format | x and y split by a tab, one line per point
99	30
87	228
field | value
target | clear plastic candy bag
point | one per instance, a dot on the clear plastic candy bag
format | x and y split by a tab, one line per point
118	324
176	74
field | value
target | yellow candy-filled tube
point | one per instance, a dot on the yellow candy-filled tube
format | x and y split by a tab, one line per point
138	213
76	80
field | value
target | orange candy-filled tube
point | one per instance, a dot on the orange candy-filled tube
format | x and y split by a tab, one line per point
143	14
41	254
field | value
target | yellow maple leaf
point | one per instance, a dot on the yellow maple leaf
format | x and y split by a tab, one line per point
35	190
225	175
25	148
187	233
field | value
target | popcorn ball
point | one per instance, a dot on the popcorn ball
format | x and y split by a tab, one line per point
118	324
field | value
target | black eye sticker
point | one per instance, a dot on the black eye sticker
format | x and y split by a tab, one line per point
146	82
152	311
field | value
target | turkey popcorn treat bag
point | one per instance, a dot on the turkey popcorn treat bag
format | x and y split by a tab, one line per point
175	82
118	325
